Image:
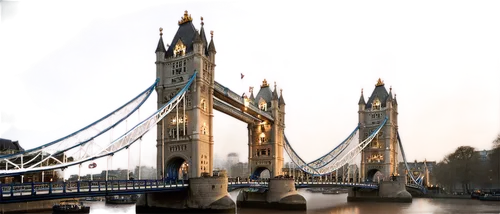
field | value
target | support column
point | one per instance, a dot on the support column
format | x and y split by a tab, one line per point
163	149
140	156
348	174
250	148
195	154
107	167
41	165
128	164
211	129
79	171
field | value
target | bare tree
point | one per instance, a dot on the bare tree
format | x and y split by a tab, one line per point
496	142
459	167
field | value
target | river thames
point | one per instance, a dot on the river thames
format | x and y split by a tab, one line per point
318	203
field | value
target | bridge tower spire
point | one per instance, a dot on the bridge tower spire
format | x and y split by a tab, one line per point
185	136
381	154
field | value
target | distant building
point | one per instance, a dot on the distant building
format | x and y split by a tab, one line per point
9	147
420	170
484	155
233	158
232	165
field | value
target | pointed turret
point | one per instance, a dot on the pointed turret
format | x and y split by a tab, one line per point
275	93
388	101
361	99
204	37
395	100
197	38
198	44
161	46
389	98
252	98
211	46
281	101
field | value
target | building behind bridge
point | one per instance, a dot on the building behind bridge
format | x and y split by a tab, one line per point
423	170
9	147
233	166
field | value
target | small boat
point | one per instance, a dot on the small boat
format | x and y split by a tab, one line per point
490	197
70	206
121	199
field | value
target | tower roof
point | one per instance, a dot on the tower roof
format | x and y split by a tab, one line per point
361	99
211	46
161	46
281	101
204	37
186	33
379	92
264	93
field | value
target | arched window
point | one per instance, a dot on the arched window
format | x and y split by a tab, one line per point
376	104
180	49
203	105
262	138
263	106
204	128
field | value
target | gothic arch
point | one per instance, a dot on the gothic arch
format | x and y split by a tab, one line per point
172	166
257	172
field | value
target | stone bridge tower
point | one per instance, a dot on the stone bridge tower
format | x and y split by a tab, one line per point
185	139
381	154
266	140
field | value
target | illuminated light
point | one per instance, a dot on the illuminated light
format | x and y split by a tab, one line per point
246	102
245	108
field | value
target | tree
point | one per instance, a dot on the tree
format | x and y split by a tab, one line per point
494	163
496	142
461	167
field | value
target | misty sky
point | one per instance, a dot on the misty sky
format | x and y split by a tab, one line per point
65	64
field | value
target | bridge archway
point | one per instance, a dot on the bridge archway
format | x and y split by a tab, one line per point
261	172
374	175
176	168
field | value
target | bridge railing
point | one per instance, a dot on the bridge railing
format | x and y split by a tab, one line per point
37	188
40	189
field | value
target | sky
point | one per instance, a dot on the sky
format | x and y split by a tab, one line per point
65	64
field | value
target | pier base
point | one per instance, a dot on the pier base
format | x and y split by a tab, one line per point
280	195
389	191
205	195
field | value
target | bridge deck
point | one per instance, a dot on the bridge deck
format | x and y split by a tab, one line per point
228	96
234	112
22	192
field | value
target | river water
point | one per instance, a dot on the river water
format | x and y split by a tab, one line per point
318	203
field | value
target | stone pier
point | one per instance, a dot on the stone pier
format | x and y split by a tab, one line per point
205	195
389	191
281	194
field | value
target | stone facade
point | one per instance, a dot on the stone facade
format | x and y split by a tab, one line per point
266	140
381	154
185	136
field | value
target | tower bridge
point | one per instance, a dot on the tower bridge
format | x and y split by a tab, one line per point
187	95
